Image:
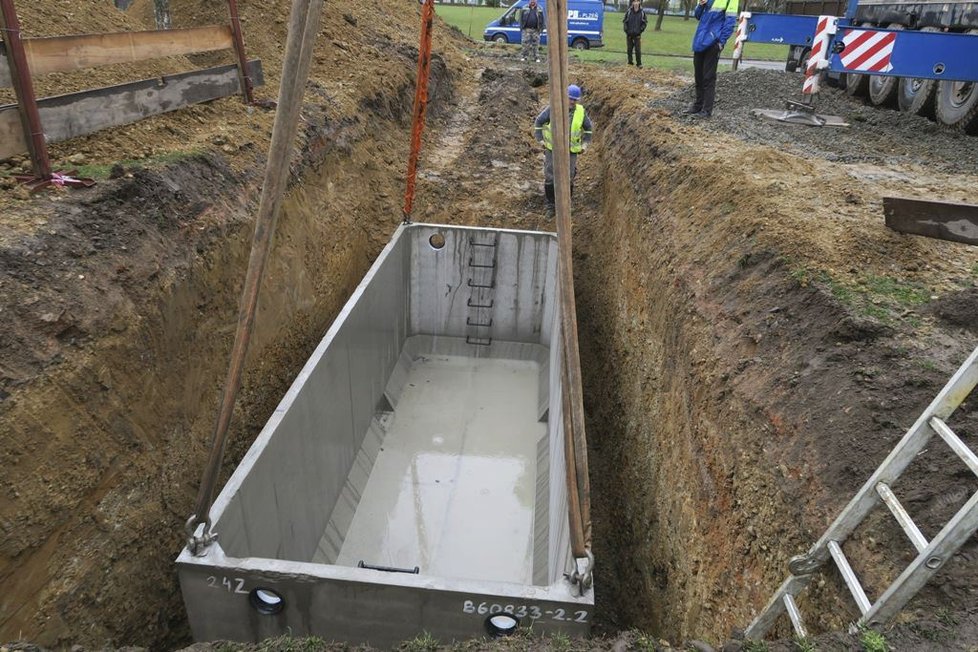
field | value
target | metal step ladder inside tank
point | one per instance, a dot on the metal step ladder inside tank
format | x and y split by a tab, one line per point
482	289
931	555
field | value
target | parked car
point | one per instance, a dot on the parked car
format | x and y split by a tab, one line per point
585	24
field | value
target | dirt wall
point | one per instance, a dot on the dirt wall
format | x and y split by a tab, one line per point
117	356
734	401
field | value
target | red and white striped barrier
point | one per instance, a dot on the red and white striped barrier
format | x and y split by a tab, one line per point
740	35
868	51
818	59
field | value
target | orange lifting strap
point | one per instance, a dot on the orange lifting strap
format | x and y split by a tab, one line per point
420	104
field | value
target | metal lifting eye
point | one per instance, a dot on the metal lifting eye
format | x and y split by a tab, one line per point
939	68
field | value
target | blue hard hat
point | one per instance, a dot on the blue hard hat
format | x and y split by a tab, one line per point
574	92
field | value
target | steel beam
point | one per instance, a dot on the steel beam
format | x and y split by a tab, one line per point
933	219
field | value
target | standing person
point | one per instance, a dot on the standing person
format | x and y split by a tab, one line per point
717	20
634	23
531	24
580	136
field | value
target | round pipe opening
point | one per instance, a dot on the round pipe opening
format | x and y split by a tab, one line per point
266	601
499	625
437	241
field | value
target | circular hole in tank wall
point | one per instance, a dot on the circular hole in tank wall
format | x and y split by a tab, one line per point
266	601
437	241
499	625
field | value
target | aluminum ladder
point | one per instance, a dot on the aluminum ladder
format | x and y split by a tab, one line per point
931	555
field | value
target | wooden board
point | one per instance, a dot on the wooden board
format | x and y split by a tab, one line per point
79	51
933	219
78	114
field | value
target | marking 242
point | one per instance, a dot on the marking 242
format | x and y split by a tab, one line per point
522	611
229	584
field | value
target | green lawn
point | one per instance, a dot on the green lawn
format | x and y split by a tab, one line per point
674	38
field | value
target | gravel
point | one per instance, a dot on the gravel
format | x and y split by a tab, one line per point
877	135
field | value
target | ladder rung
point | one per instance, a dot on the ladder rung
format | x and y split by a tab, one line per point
473	284
482	244
795	616
850	577
916	537
469	322
480	305
478	341
958	446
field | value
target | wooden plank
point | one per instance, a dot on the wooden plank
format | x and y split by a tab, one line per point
78	114
933	219
80	51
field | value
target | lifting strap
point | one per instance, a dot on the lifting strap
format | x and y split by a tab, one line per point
420	104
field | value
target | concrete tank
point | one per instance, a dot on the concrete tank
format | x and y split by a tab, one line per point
412	478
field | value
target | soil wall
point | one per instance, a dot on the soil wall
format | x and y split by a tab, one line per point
117	356
735	403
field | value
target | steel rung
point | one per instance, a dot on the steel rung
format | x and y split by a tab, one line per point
481	285
943	546
480	305
795	615
966	454
913	533
469	322
482	244
858	594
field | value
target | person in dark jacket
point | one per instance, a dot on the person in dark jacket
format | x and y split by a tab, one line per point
531	24
634	23
717	19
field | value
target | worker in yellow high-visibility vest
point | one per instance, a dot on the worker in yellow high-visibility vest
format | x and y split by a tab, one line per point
580	137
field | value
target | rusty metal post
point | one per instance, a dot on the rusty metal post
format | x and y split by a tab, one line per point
420	105
247	87
20	75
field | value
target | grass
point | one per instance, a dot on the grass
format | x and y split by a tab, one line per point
873	641
102	171
804	644
657	47
755	646
423	642
883	298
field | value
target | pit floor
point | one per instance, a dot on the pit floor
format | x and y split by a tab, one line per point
452	490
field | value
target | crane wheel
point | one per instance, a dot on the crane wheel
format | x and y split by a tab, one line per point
918	96
883	90
957	103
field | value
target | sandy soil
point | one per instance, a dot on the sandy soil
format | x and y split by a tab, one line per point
754	339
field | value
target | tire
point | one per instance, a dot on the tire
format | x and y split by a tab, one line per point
957	104
856	85
500	38
581	44
883	90
918	96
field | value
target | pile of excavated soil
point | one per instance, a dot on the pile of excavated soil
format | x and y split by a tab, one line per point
876	136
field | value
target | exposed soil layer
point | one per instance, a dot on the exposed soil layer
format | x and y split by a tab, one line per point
752	349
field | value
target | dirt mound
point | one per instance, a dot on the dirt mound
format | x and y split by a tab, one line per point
876	136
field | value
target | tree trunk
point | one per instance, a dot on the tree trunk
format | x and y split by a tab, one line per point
162	10
662	14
